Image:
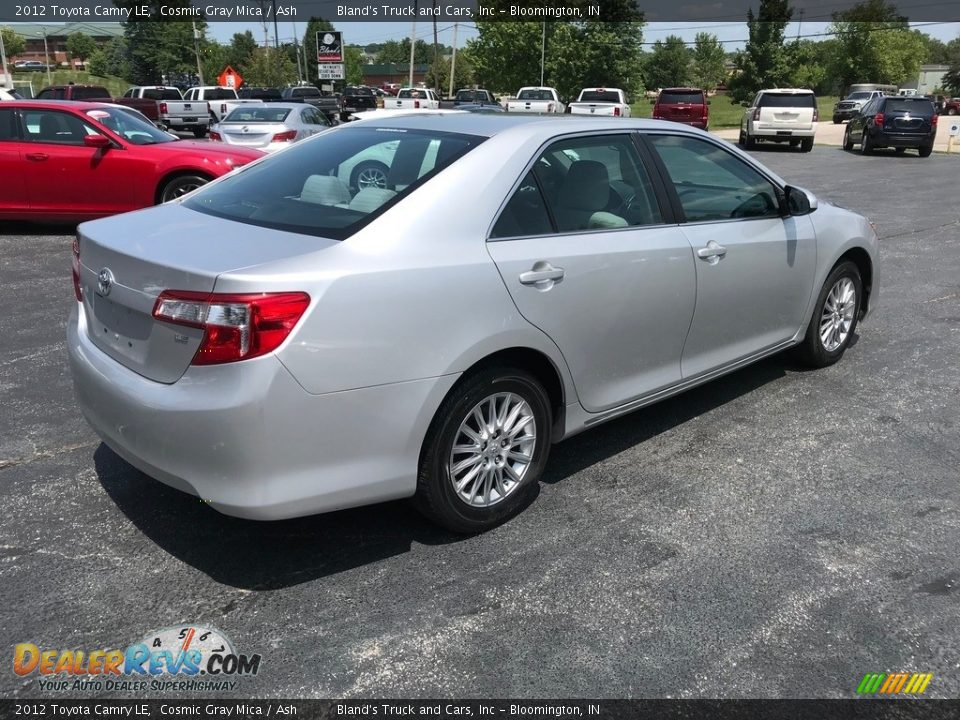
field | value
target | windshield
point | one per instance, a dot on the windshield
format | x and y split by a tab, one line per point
603	96
334	184
254	113
859	96
130	128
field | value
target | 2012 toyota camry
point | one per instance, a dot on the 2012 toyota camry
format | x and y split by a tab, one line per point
282	343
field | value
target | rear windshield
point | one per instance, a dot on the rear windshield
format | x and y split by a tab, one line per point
255	113
472	96
305	92
334	184
675	98
412	94
535	95
355	91
910	105
260	94
788	100
165	94
81	93
219	94
605	96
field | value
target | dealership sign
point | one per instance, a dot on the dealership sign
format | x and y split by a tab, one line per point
329	47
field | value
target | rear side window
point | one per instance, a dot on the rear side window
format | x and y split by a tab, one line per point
600	96
525	213
788	100
84	93
713	184
917	107
336	183
51	94
677	98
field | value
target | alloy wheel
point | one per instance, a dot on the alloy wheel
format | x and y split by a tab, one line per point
837	316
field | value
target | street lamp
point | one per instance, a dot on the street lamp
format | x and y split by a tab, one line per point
46	55
7	79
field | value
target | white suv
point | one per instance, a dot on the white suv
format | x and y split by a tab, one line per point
781	115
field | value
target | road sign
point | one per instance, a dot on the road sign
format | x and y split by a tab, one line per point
330	71
230	78
329	46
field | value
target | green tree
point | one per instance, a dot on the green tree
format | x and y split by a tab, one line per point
764	61
310	45
353	64
708	61
808	65
951	81
875	44
668	65
240	51
13	42
398	51
81	46
97	64
267	67
158	48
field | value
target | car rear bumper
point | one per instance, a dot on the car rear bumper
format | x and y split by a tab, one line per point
904	140
844	114
247	439
702	124
782	133
181	122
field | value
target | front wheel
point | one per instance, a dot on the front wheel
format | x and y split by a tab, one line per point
200	132
180	186
834	317
485	451
847	140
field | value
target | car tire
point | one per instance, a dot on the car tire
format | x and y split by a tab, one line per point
749	143
200	132
835	317
470	498
951	111
369	174
925	150
806	145
847	140
180	185
836	120
899	150
866	144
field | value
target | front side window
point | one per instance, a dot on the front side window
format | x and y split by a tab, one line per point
336	183
133	129
51	126
713	184
597	183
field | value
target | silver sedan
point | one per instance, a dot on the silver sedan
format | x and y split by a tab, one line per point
270	126
283	341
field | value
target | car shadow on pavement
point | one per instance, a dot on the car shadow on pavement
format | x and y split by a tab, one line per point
272	555
17	227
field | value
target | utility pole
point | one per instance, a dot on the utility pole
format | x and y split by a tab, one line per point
543	50
413	42
7	78
800	24
196	51
436	51
453	60
296	47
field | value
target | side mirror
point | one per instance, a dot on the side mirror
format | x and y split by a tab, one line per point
799	201
97	141
745	104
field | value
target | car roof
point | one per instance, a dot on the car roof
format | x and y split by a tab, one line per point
489	125
79	105
791	91
682	89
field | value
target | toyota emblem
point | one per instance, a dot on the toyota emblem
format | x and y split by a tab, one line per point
104	281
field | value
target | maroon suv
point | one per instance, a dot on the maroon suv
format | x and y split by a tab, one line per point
685	105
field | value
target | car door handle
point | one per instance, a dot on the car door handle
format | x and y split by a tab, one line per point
541	274
37	156
713	251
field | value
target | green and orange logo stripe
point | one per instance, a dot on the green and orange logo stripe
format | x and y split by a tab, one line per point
894	683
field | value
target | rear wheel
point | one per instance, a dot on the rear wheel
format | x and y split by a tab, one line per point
806	145
749	143
866	144
951	111
180	185
899	151
834	317
200	132
925	150
485	450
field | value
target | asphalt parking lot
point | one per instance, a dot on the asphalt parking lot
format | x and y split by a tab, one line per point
776	533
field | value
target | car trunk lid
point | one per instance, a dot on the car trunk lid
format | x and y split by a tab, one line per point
787	111
128	260
249	134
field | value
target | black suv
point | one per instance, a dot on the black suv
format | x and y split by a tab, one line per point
897	122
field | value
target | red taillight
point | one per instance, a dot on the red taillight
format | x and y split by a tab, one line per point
756	114
878	119
416	104
285	136
163	108
816	115
616	112
78	293
934	119
236	327
214	135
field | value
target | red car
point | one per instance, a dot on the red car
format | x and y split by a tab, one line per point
684	105
72	161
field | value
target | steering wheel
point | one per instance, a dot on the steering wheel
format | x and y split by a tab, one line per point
754	206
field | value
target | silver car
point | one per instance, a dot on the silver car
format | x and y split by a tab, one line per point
270	126
281	343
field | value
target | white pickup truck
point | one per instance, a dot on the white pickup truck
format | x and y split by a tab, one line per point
166	107
220	99
601	101
413	99
536	100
